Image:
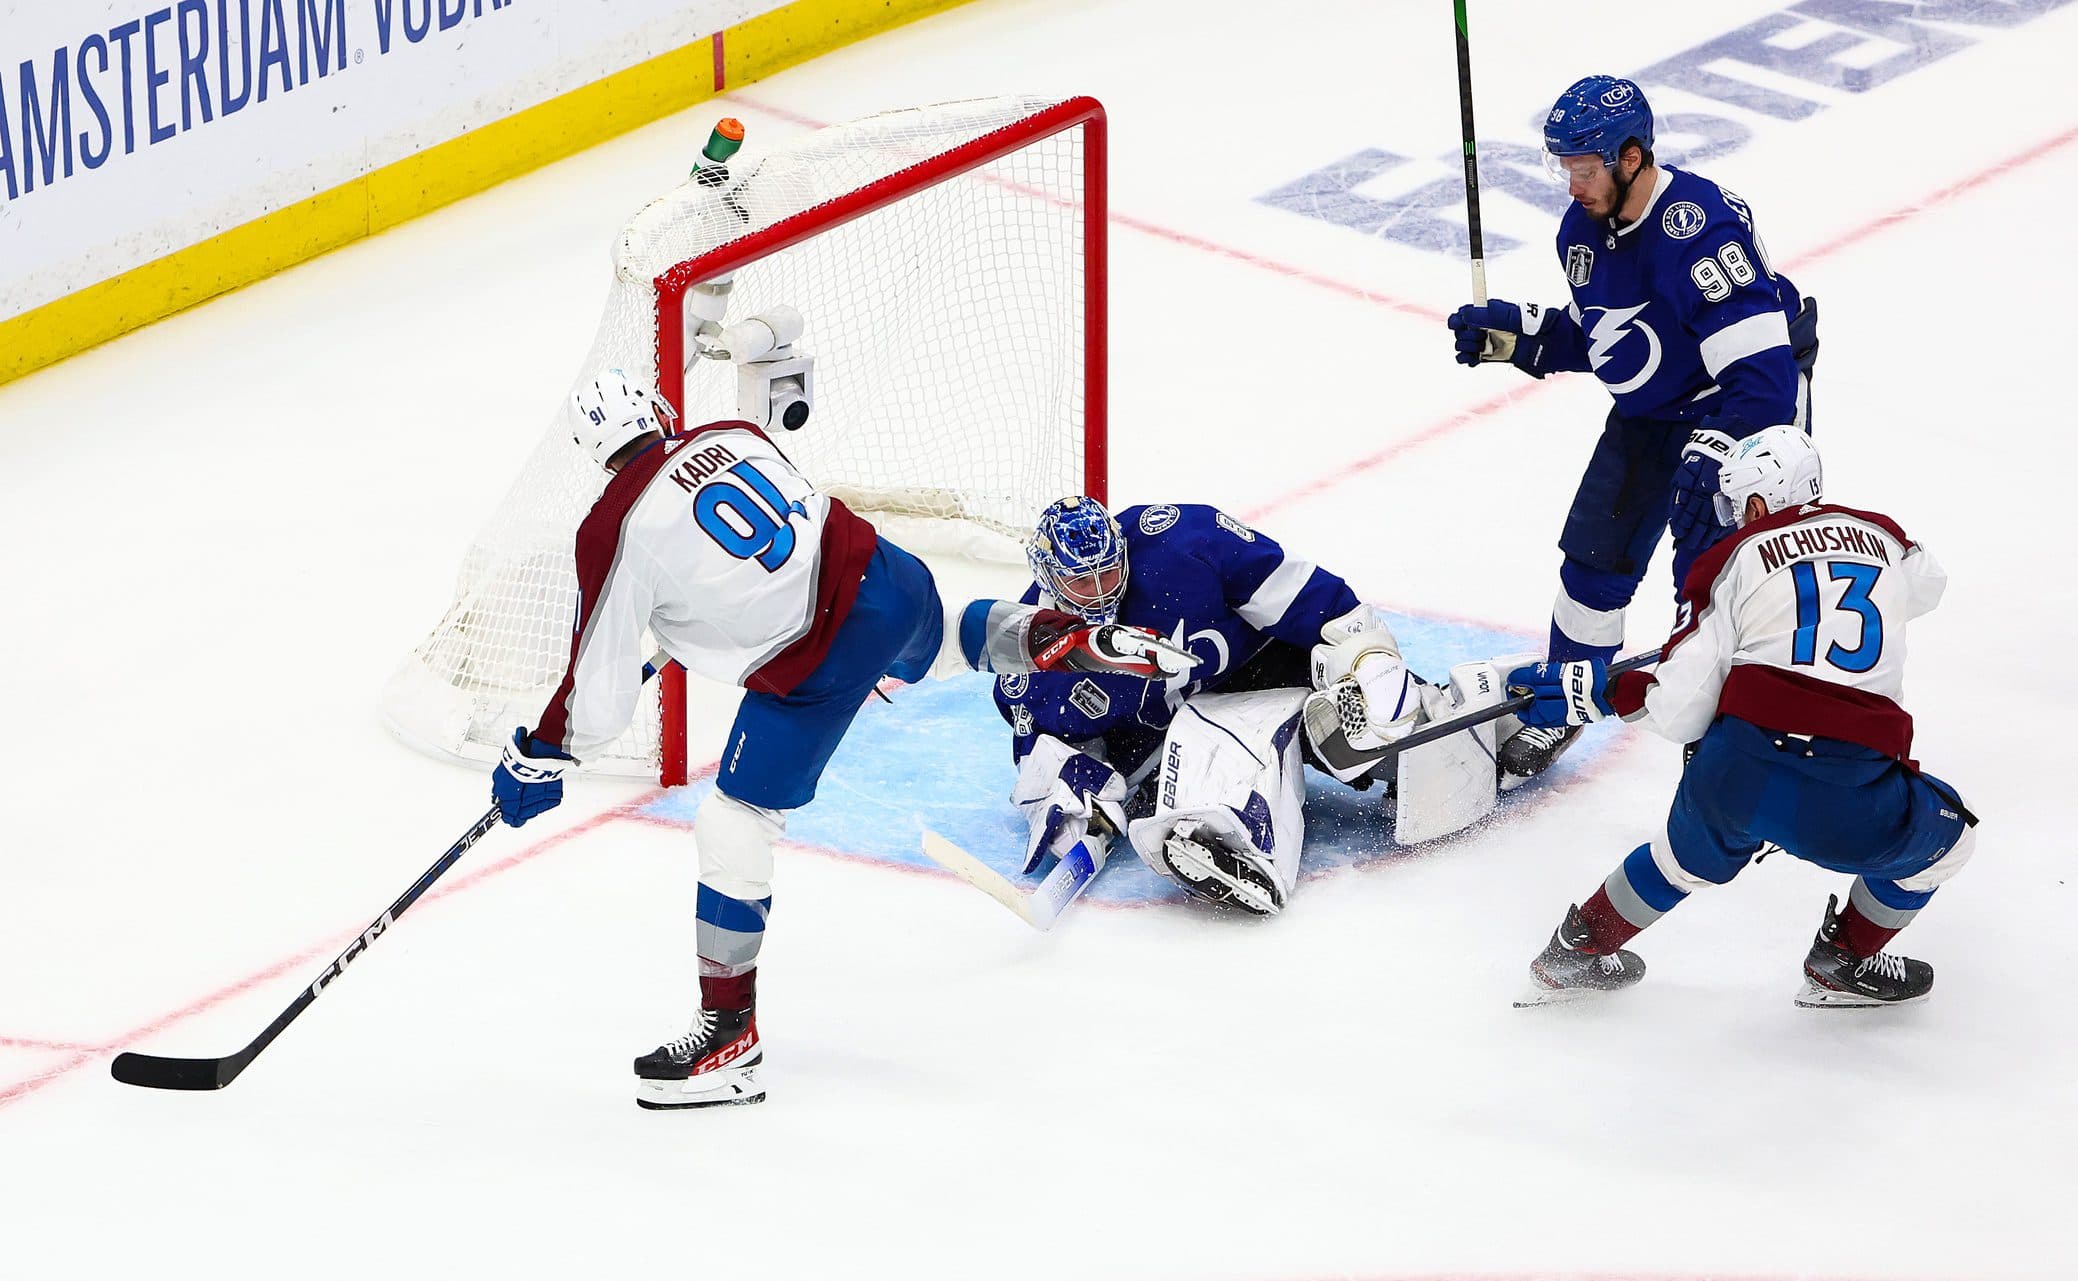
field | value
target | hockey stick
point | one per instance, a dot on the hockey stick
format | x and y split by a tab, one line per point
1334	749
1070	876
157	1073
1464	106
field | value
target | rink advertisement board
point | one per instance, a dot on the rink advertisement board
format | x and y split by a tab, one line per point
155	153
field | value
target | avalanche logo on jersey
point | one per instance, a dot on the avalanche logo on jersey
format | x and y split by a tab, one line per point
1683	219
1607	328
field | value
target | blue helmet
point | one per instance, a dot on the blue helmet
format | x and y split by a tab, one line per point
1078	556
1595	116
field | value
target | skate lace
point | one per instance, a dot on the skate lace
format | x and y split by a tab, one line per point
702	1032
1544	735
1610	963
1883	965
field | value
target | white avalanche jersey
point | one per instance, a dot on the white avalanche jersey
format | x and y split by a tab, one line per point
1796	624
726	554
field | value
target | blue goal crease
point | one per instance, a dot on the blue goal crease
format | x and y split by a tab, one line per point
939	757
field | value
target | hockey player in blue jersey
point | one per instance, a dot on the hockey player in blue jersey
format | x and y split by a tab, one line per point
1222	743
1699	341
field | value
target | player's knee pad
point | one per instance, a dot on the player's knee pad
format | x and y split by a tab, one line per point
1945	866
735	841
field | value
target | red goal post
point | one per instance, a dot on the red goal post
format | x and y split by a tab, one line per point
949	263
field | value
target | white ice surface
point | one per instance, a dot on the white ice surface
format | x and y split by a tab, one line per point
224	530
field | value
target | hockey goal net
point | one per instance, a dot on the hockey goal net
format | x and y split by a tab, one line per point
948	262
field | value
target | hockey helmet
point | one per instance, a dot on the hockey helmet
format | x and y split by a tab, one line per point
1596	116
612	409
1778	463
1078	556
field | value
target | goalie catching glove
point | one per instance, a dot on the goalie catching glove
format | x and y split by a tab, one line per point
1364	697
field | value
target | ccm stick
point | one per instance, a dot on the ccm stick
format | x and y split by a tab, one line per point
155	1072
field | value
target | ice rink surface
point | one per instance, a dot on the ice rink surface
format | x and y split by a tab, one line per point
223	532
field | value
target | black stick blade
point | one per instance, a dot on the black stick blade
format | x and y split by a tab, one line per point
156	1073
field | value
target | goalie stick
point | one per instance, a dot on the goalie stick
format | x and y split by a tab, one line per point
154	1072
1070	876
1334	749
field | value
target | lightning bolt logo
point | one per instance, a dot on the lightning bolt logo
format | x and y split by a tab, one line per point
1609	329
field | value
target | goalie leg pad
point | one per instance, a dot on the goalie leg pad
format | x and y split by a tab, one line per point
1230	767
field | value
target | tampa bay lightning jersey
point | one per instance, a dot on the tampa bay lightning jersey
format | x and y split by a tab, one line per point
1678	313
1206	581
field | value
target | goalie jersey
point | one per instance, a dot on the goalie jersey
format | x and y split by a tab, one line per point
1678	313
1796	624
1228	593
715	545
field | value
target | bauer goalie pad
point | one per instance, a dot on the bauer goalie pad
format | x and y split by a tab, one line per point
1445	786
1231	765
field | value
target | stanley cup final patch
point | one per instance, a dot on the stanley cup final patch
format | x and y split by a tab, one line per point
1580	263
1089	698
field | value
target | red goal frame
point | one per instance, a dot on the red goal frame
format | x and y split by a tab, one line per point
1084	113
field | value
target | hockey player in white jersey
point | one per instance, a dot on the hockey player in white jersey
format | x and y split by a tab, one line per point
1289	657
1787	673
713	543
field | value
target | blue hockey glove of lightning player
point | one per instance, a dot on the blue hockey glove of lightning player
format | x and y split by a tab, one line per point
1496	331
529	778
1694	511
1566	693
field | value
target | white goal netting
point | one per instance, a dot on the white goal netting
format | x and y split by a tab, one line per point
948	315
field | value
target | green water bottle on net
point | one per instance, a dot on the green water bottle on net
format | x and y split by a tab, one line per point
712	169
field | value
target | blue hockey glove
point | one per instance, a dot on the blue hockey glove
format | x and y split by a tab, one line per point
1566	693
529	778
1497	331
1694	510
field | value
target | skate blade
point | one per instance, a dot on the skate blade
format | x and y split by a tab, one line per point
1814	996
729	1087
1538	994
1250	896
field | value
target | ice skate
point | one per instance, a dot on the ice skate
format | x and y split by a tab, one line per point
713	1065
1567	969
1834	976
1210	871
1532	750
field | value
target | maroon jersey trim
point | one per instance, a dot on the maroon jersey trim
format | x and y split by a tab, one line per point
848	545
598	547
1793	703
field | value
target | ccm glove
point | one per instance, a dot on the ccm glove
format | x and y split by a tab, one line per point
529	778
1694	511
1498	330
1062	642
1566	693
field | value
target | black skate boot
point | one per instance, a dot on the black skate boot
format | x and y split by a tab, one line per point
1834	976
1210	871
1567	969
1531	750
712	1065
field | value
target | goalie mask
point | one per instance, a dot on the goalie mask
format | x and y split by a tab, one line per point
1078	556
611	410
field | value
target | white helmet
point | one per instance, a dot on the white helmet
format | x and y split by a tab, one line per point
612	409
1778	463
